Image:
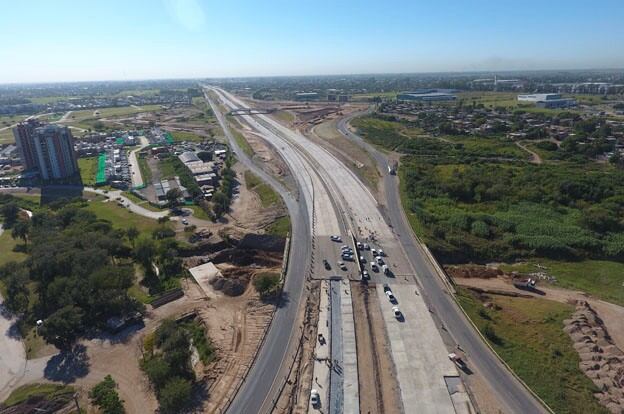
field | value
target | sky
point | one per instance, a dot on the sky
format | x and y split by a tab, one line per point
80	40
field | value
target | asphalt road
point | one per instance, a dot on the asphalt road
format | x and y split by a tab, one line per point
271	365
510	392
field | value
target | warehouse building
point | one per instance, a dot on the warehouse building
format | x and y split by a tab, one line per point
548	100
427	95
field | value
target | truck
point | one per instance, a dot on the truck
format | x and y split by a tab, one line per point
524	284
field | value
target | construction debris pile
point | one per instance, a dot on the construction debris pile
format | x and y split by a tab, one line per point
601	360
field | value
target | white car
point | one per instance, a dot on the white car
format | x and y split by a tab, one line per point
381	253
184	221
397	312
365	274
366	246
379	260
336	238
374	252
315	398
374	267
342	266
359	245
391	296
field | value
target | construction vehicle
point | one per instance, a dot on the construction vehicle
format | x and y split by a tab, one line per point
524	284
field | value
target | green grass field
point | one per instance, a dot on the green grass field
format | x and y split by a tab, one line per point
121	217
6	249
88	169
528	334
600	278
47	391
186	136
6	137
87	114
267	195
280	227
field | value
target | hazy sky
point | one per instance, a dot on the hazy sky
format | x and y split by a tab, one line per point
63	40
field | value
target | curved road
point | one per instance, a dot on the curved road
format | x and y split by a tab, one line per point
262	383
510	392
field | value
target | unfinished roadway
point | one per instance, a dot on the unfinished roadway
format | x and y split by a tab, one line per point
339	203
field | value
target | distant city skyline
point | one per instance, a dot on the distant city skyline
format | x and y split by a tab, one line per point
67	41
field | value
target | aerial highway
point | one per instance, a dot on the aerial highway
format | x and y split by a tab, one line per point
338	203
510	392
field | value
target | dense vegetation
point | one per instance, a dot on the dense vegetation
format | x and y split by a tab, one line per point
78	269
76	275
105	396
476	203
166	362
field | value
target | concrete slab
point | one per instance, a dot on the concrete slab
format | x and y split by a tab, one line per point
336	394
349	349
203	274
322	354
419	355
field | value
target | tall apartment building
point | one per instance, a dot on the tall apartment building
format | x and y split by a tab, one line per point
46	148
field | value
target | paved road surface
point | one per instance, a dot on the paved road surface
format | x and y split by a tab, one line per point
137	179
271	365
339	187
510	392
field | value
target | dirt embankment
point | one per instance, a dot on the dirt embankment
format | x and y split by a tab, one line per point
601	360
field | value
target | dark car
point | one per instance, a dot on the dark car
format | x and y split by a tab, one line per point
326	264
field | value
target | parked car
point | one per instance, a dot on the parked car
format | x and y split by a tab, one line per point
326	264
374	252
366	246
336	238
365	274
342	266
374	267
397	312
391	296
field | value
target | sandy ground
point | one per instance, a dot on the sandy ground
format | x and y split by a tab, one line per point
611	314
247	212
236	326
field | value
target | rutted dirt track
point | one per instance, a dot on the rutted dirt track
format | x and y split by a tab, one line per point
377	381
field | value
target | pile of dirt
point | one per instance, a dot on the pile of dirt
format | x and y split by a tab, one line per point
473	271
248	257
233	282
601	360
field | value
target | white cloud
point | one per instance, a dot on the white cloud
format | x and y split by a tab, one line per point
187	13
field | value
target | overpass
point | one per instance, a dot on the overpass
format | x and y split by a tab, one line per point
251	111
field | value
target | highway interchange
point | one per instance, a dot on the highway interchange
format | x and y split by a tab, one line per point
332	200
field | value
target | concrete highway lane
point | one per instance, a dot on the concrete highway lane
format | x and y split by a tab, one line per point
336	190
271	366
510	392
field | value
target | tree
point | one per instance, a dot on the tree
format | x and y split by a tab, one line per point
157	370
16	292
221	204
175	395
132	233
63	327
144	252
21	229
10	212
266	284
173	197
105	395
